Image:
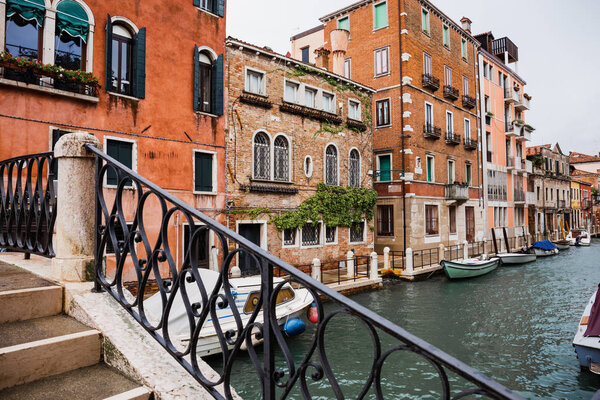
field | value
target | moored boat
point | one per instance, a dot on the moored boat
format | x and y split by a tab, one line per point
516	258
579	237
563	244
469	268
586	343
543	248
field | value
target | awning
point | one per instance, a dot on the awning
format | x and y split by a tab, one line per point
29	10
72	19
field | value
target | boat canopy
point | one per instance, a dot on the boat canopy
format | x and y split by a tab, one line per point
593	328
545	245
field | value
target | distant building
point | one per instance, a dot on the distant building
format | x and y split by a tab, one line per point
585	162
305	43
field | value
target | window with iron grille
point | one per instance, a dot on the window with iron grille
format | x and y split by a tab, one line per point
261	157
354	168
311	234
431	220
357	232
385	220
331	166
281	155
330	234
289	237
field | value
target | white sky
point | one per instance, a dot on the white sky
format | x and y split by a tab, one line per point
558	42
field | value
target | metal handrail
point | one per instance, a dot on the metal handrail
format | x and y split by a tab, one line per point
294	376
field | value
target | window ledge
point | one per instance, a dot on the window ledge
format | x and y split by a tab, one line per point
50	91
272	181
382	75
207	12
383	126
378	29
125	96
197	193
363	242
207	114
255	94
312	247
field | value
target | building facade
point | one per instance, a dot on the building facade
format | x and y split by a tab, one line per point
304	44
505	133
427	168
130	62
293	129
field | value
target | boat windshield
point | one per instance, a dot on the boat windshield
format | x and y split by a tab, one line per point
284	295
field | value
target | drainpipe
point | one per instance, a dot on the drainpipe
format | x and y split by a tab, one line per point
402	143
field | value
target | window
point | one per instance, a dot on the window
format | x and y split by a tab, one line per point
467	129
385	167
208	82
463	49
291	92
380	15
448	75
383	112
311	234
452	219
382	61
216	7
501	79
425	21
327	103
348	68
354	111
120	236
255	82
24	29
449	122
486	103
310	97
289	237
71	34
262	157
354	169
331	166
468	173
429	117
465	86
344	23
305	54
203	172
123	153
446	37
281	159
426	64
126	60
308	166
330	234
486	71
450	172
357	232
206	5
385	220
205	96
431	220
430	169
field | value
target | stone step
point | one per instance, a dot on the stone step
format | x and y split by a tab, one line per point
28	361
97	382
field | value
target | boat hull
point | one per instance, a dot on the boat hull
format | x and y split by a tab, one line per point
457	270
544	253
562	245
516	258
587	348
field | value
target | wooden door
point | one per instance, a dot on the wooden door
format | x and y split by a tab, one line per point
470	223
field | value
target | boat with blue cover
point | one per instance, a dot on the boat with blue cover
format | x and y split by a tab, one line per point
543	248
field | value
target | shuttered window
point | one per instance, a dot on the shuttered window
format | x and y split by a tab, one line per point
381	15
208	83
431	220
203	172
344	23
123	153
125	60
216	7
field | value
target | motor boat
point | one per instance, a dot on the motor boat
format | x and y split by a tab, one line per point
587	337
562	244
543	248
470	268
516	258
579	237
291	303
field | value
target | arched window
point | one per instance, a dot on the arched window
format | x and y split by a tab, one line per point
208	81
354	169
72	28
262	159
24	28
331	166
125	57
281	156
205	65
121	63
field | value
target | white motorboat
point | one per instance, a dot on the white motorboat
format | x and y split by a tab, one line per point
587	347
579	237
246	292
517	258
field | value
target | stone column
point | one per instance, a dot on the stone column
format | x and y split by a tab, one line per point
350	264
386	258
316	270
484	246
409	261
465	249
374	272
74	239
48	44
441	252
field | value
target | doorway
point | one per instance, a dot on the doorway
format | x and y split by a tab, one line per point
246	263
470	223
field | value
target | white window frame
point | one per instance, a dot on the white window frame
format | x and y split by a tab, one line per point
446	46
321	238
322	95
464	49
348	68
432	157
358	109
364	238
270	153
134	159
263	89
298	86
337	21
426	71
389	99
214	171
296	240
316	91
181	248
466	85
451	180
451	114
359	166
325	235
437	237
432	113
447	75
379	168
426	30
311	169
467	122
468	165
387	25
325	162
272	156
375	57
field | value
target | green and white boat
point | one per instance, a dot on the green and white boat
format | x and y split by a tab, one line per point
469	268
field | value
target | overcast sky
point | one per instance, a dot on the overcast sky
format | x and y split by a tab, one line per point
558	42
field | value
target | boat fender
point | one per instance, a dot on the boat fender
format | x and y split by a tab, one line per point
313	314
294	327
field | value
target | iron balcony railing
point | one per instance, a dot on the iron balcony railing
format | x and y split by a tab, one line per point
149	255
431	132
468	102
450	92
452	138
431	82
470	144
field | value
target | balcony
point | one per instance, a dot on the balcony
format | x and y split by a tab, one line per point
431	132
505	47
586	204
512	96
524	104
510	162
519	196
430	82
452	138
513	128
450	93
524	134
530	198
457	191
528	166
468	102
469	143
518	164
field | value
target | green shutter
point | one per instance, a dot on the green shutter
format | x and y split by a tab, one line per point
385	168
108	53
429	170
123	153
196	3
203	172
220	8
139	64
423	20
217	86
344	23
381	15
196	79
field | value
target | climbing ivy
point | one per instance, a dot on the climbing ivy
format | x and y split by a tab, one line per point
252	213
334	205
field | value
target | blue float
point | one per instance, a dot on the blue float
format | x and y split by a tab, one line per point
294	327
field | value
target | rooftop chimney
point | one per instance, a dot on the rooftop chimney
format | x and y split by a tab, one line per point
339	46
322	58
466	24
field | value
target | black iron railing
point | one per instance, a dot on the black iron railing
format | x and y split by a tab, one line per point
476	249
455	252
336	271
431	132
450	92
431	82
469	143
468	101
426	258
452	138
397	260
155	259
28	204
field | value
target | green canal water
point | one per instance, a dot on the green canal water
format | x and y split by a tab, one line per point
515	325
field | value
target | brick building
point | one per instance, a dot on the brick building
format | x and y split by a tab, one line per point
159	106
290	127
503	103
428	171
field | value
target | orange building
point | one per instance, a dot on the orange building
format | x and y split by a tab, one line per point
158	107
503	105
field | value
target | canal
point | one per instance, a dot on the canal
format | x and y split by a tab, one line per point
515	325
